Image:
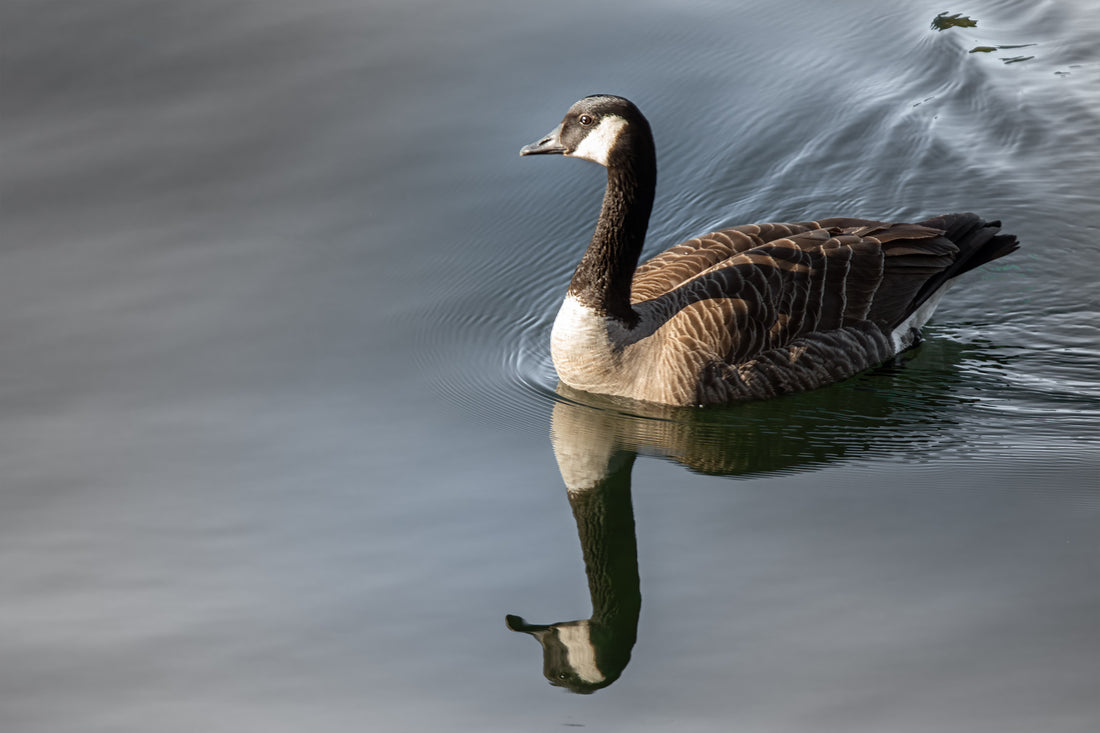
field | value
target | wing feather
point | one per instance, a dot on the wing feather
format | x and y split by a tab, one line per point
758	310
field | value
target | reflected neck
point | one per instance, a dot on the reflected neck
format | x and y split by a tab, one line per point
605	526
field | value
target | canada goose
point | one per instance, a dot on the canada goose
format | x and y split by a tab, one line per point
748	312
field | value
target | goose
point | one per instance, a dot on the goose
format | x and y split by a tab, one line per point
746	312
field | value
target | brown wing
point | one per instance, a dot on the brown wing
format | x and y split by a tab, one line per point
829	275
752	312
686	260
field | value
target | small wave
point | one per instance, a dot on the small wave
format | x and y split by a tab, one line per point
490	358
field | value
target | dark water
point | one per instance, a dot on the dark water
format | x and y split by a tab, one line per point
276	405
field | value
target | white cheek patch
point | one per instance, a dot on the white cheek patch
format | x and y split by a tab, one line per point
580	652
596	145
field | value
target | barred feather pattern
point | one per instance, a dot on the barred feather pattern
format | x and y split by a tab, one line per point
756	311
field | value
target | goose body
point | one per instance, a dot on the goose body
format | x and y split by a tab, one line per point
747	312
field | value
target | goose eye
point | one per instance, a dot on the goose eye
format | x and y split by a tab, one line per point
585	120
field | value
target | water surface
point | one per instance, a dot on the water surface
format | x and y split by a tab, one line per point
280	437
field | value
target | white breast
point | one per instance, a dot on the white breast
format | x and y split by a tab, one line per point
583	349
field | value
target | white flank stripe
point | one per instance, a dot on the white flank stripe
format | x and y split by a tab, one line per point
903	334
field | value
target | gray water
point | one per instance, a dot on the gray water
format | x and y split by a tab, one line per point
276	400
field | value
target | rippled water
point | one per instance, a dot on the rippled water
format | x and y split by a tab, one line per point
281	445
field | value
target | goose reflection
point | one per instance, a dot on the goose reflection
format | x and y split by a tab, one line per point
589	654
596	440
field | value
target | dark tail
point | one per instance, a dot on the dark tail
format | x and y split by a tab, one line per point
978	241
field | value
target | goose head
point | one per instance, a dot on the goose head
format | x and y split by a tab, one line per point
605	129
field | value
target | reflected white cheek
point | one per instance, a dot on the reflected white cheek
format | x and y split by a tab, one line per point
596	145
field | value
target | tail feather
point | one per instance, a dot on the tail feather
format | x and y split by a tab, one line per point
938	250
978	243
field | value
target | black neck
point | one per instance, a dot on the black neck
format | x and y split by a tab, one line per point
602	279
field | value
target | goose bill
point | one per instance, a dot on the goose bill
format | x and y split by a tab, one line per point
549	144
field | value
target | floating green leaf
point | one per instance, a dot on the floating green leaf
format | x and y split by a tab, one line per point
943	21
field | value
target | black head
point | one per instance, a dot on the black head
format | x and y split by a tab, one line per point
602	128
